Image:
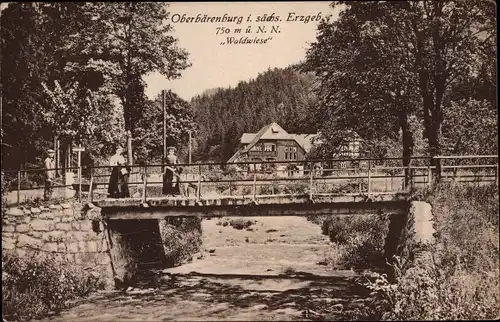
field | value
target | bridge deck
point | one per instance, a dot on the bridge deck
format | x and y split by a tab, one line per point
263	205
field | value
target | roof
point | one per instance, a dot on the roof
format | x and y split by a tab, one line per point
271	131
305	140
247	138
235	156
276	132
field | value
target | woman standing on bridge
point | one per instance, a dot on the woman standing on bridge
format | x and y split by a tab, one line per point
118	182
170	172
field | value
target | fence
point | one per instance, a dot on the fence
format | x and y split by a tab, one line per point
361	176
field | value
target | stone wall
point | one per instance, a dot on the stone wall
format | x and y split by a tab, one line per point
410	235
71	232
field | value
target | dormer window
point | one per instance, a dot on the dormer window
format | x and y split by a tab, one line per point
274	130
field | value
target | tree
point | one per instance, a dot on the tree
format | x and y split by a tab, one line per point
148	132
133	40
362	88
26	47
276	95
81	115
104	48
470	133
35	52
430	45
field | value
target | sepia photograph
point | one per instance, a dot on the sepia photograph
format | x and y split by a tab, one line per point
249	161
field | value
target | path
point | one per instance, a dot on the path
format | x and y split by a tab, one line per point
270	273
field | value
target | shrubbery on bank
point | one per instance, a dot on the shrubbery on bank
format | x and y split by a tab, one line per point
33	287
183	238
358	240
459	278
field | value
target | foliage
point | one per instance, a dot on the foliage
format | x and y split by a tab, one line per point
106	49
470	128
276	95
148	128
417	54
348	58
32	287
5	184
183	239
27	48
359	240
134	36
72	112
458	279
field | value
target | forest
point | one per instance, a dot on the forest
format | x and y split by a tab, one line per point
285	96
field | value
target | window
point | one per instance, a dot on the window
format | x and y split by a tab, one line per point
256	147
269	147
290	153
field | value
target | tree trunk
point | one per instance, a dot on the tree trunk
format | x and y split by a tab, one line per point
129	149
128	95
407	145
435	149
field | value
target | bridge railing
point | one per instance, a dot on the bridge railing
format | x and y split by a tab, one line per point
361	176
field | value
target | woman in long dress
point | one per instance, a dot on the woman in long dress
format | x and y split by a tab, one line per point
118	182
170	172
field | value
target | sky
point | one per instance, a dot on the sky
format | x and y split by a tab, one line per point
215	65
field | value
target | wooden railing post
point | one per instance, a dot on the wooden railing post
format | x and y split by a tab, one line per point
429	175
254	186
369	178
144	183
18	187
91	186
230	188
310	183
198	192
79	181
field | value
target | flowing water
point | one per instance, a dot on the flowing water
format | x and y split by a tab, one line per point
270	272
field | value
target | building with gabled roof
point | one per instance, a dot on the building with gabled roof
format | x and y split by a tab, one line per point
272	143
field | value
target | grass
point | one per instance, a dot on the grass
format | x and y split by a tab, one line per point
33	287
459	277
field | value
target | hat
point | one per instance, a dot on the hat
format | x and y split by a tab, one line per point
171	148
51	151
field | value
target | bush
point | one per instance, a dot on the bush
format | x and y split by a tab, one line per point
459	279
240	223
183	238
359	240
34	286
